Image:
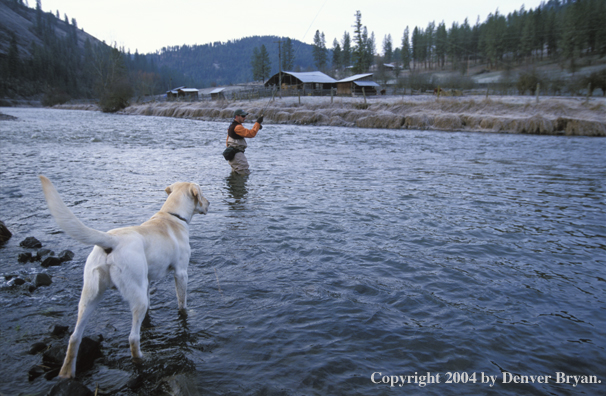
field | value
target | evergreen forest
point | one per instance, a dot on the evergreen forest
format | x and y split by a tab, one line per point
44	54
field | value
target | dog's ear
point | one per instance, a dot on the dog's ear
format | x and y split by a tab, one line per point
168	190
196	193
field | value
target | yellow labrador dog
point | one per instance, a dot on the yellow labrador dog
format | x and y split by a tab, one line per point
128	258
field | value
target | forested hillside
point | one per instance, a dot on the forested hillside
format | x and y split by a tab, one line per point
229	63
42	53
561	31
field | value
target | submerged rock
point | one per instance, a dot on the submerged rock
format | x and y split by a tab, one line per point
19	281
66	255
43	252
54	355
37	348
51	262
35	372
180	384
70	388
25	257
59	331
42	279
31	243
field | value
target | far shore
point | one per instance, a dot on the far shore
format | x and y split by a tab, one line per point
494	114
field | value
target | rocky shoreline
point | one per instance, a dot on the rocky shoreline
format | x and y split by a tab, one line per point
497	114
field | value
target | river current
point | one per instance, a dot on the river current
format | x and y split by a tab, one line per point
347	260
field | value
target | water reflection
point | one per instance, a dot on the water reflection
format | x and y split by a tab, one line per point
236	187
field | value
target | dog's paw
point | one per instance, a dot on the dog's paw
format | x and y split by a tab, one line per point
138	360
65	376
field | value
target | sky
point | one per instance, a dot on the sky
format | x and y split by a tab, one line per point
147	26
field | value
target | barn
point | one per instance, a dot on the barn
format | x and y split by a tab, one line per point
308	81
217	94
360	84
182	92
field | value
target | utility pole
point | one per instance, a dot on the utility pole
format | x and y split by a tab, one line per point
279	65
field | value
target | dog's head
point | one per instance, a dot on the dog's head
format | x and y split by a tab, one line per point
193	192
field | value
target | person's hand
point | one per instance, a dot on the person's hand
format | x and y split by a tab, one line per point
260	126
260	120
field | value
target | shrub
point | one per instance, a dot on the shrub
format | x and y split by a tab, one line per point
528	82
54	97
116	97
597	81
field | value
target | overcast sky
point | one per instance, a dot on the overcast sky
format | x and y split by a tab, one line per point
149	25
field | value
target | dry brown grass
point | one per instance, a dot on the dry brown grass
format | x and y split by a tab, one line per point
552	116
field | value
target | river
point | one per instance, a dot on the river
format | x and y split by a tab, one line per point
350	258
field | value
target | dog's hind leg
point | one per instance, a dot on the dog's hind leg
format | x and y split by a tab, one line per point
138	307
95	283
131	280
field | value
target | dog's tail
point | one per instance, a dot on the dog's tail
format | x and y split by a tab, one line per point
70	223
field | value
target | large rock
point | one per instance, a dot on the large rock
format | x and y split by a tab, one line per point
89	351
5	234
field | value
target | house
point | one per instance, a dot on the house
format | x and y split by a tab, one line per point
182	92
302	80
360	84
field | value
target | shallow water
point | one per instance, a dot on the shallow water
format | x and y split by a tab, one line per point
346	252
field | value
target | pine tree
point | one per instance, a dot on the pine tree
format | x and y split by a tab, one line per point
429	44
264	63
441	44
320	51
346	48
288	55
39	15
387	49
369	49
255	64
14	63
337	55
359	45
527	40
416	53
405	51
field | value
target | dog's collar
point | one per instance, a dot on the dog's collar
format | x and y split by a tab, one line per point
178	217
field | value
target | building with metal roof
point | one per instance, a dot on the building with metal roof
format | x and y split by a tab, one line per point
182	92
217	94
302	80
360	84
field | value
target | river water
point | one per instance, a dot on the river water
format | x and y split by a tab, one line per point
348	256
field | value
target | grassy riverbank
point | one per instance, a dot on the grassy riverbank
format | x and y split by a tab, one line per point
497	114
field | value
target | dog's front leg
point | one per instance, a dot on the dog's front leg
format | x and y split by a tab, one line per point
68	370
181	287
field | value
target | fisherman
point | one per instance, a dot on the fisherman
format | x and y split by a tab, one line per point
236	144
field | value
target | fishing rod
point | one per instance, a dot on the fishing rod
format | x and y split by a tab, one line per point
297	50
273	93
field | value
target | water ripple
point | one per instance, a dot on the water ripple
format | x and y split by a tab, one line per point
346	252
